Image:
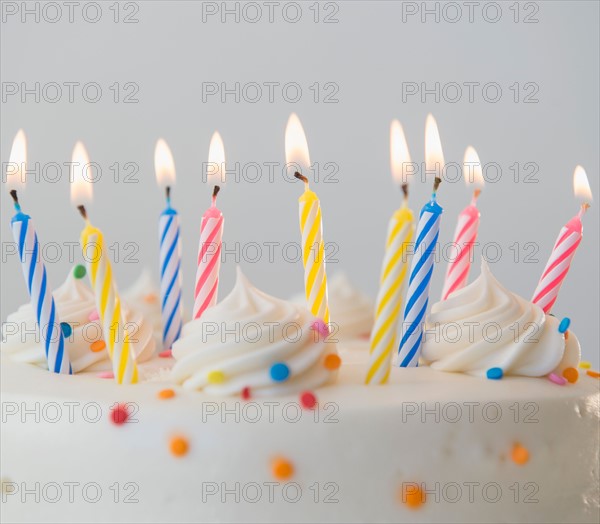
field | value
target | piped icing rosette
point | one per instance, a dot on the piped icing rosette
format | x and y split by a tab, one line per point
144	296
351	310
485	326
256	341
84	341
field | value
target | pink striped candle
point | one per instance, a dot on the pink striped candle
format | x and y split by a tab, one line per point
211	234
467	227
566	244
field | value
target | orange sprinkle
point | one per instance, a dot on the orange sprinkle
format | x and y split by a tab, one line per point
179	446
412	495
150	297
282	469
332	361
520	455
571	374
567	335
166	393
99	345
593	373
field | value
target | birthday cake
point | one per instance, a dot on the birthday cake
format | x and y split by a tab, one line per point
269	427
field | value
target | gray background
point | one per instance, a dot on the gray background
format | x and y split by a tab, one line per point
368	53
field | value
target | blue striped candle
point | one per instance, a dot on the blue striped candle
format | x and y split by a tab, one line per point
170	274
40	292
418	285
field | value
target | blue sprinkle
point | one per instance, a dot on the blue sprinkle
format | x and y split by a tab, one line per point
66	329
494	373
564	325
280	372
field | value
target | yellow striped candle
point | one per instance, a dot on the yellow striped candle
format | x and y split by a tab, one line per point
108	302
313	253
394	271
311	227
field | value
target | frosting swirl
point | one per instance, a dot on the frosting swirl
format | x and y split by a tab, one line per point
236	344
484	325
76	306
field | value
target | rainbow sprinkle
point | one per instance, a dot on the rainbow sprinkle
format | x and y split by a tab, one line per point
564	325
494	373
216	377
79	271
553	377
308	400
571	374
282	469
279	372
66	329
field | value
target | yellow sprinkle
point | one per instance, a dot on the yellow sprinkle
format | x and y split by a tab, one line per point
585	365
216	377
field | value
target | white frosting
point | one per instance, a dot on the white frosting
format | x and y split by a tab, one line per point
363	441
144	296
242	337
351	311
484	326
75	303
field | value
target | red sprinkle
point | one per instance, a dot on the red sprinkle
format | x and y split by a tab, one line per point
119	414
246	393
308	400
165	354
106	374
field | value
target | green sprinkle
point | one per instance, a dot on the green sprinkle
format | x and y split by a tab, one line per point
79	271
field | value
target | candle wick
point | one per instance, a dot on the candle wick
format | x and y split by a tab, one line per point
584	207
476	194
13	194
168	193
436	184
300	176
214	195
405	191
83	212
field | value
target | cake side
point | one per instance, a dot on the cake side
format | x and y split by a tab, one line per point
449	435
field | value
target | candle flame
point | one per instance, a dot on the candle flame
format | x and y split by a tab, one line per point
296	146
215	171
581	186
472	169
164	165
399	154
17	164
81	176
434	156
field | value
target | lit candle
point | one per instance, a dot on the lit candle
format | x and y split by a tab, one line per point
467	226
99	268
311	227
170	249
401	228
564	249
34	270
211	233
421	268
